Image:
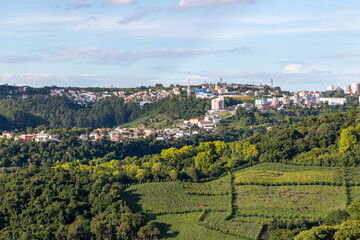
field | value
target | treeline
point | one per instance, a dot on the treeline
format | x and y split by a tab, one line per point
63	112
314	141
57	204
293	114
207	161
70	149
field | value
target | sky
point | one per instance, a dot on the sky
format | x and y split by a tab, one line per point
301	45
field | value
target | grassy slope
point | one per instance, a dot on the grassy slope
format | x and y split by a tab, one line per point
135	122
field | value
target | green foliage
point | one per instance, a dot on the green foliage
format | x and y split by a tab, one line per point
177	107
348	139
313	141
317	233
57	204
349	230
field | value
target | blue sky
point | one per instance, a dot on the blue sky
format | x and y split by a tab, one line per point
302	45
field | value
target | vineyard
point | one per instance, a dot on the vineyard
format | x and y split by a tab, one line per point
241	204
275	174
178	197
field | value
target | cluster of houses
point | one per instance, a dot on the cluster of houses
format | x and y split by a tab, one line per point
147	97
115	135
81	97
40	137
304	98
120	134
208	122
84	98
234	90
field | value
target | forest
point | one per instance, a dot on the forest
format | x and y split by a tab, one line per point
62	112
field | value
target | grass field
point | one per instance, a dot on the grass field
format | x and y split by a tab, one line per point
135	122
185	227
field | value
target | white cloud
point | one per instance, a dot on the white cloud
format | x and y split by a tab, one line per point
294	68
120	2
209	3
301	69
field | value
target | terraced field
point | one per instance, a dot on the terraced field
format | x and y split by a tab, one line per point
239	205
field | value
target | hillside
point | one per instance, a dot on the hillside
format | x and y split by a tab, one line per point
248	201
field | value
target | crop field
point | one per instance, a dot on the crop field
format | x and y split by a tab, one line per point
354	176
267	213
314	197
184	226
272	173
355	193
177	197
246	228
239	206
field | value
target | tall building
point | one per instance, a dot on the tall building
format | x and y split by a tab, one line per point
331	88
355	88
218	103
347	89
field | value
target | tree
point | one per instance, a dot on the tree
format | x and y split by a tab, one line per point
317	233
149	232
349	230
141	174
203	160
173	175
348	139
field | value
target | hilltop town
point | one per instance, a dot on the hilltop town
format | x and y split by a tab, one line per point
248	97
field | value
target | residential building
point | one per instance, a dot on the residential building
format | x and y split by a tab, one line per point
355	87
331	88
218	104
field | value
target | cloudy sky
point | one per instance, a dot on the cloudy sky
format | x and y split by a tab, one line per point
302	45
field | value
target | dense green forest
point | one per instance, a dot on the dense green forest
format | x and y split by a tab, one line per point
56	204
17	113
